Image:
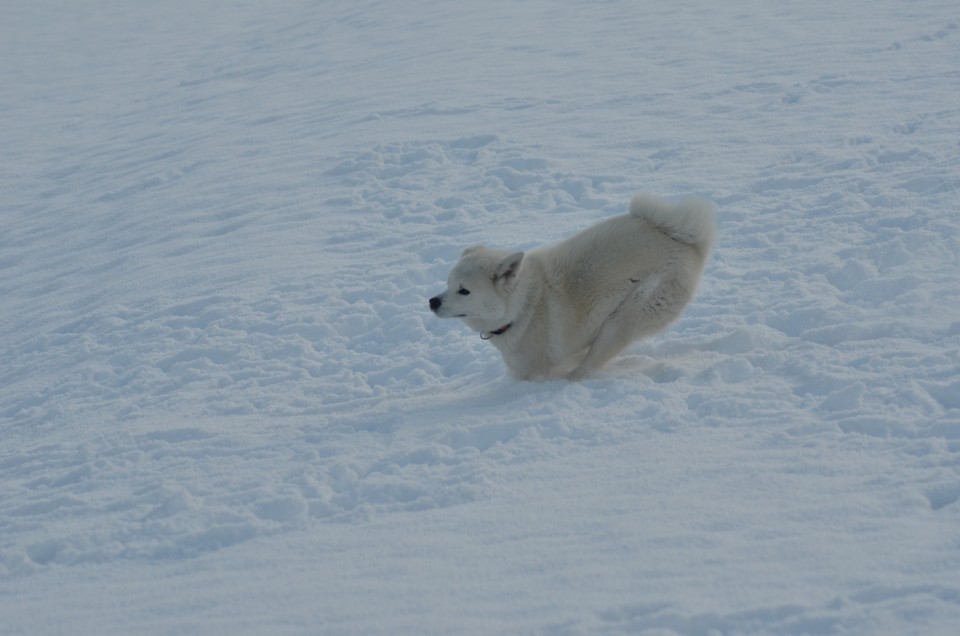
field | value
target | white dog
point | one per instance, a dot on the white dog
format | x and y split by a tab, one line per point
567	309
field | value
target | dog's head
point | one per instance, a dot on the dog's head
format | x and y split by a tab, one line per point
479	287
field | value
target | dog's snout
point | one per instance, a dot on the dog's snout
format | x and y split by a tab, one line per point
435	303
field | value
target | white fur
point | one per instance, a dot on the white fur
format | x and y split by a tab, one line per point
571	307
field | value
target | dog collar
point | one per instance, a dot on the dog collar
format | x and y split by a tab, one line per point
497	332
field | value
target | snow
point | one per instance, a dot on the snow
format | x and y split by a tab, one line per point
226	408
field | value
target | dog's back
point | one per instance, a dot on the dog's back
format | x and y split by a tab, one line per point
656	237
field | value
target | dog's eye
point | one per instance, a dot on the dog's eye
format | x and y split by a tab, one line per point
464	292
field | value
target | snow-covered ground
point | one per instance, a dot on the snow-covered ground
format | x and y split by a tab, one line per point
226	409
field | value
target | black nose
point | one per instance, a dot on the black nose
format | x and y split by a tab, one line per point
435	303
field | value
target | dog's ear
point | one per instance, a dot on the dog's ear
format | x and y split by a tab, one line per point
508	268
471	250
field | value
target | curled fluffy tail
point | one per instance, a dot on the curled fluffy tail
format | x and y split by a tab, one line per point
691	221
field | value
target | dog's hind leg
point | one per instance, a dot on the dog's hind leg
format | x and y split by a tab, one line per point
615	334
644	312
